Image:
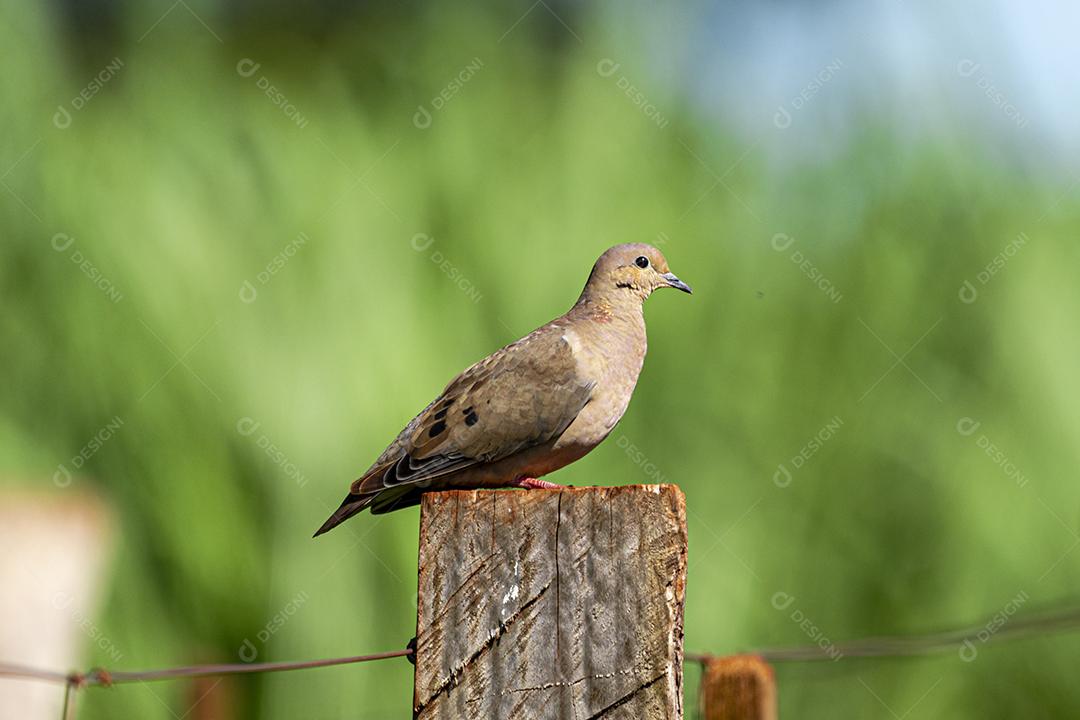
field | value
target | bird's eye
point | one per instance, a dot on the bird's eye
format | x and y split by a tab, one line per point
642	262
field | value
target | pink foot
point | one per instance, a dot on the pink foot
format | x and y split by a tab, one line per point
537	484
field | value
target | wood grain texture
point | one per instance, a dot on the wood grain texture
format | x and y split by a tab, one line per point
551	603
740	687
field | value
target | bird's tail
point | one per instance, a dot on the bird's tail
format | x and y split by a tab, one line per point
351	505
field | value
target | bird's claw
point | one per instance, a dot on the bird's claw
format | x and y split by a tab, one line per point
530	483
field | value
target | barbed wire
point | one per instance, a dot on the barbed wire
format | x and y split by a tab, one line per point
107	678
995	629
998	628
73	682
67	712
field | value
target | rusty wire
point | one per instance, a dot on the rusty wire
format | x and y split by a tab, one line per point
75	681
967	639
107	678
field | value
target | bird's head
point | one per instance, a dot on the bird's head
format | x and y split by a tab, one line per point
631	270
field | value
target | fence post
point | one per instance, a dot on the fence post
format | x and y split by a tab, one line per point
56	549
551	603
740	687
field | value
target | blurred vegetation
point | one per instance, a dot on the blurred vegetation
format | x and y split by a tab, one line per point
180	180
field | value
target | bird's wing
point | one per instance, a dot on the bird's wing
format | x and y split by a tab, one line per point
524	395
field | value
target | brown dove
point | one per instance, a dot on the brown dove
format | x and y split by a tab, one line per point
532	407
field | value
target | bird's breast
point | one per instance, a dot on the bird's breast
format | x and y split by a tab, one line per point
611	359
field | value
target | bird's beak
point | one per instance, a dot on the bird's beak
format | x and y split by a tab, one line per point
676	283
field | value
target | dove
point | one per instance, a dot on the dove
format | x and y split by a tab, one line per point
531	407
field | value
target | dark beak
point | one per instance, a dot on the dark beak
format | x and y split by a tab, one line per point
676	283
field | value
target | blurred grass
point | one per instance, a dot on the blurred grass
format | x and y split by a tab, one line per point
180	181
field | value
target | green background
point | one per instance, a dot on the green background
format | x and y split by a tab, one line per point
180	180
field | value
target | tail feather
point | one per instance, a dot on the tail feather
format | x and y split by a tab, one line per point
351	505
372	491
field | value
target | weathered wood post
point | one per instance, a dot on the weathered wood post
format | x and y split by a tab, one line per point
551	603
740	687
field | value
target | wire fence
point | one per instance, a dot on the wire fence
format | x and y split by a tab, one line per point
1033	624
101	677
107	678
995	629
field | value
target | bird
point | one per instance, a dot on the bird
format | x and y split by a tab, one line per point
532	407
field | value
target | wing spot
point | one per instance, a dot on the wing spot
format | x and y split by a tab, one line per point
471	419
436	428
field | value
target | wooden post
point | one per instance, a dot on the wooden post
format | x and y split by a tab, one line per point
53	569
740	687
551	603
